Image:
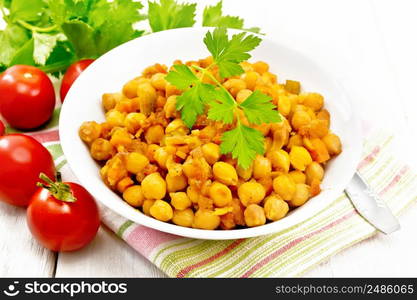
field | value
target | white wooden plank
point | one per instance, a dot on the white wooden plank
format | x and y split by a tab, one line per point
106	256
20	254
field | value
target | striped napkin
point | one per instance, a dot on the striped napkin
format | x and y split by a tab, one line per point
290	252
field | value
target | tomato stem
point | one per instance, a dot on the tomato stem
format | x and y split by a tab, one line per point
61	191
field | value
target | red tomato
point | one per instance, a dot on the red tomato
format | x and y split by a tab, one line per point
27	97
71	74
63	216
22	158
2	128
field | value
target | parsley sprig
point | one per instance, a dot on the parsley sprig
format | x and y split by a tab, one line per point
243	142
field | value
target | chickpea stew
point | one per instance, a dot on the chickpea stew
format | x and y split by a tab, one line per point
178	174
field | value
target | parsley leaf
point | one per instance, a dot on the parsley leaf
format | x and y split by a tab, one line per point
259	109
222	108
81	35
243	143
191	103
182	77
169	14
226	53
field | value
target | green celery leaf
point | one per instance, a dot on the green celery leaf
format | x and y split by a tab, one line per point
22	10
212	16
11	40
243	143
60	59
82	37
24	56
168	14
259	109
44	45
113	23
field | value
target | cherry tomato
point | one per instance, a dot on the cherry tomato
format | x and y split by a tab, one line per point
62	216
22	158
71	74
27	97
2	128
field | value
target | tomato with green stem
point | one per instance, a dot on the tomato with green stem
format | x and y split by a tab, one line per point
27	97
62	216
72	74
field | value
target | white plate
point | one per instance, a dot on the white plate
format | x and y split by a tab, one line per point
112	70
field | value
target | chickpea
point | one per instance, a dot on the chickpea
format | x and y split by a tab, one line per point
261	167
301	195
161	157
275	208
314	101
298	176
260	67
158	81
136	162
251	192
299	119
177	127
89	131
300	158
284	105
133	196
242	95
184	217
120	137
220	194
147	97
295	140
101	149
284	186
146	207
133	121
225	173
318	128
154	134
206	219
245	174
161	211
180	200
333	144
211	152
314	171
170	107
280	160
154	186
115	118
130	88
234	86
254	215
193	194
171	90
324	115
175	182
266	182
109	100
237	212
115	171
251	79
